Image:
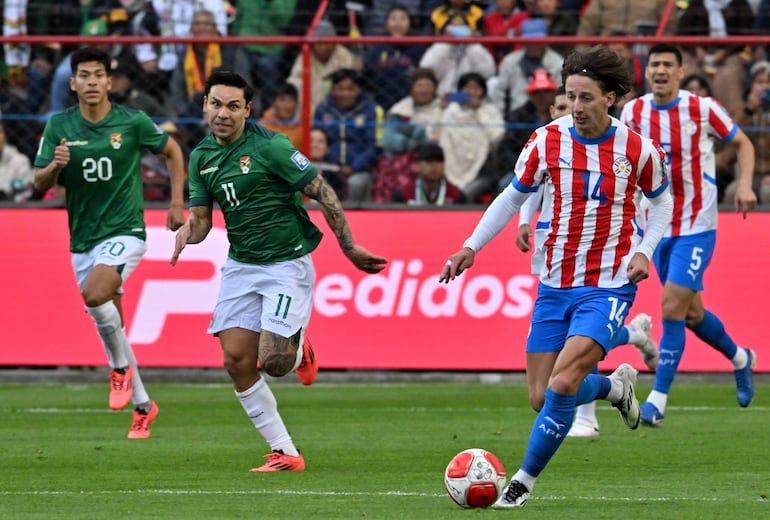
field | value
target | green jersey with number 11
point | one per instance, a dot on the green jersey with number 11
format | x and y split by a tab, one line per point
256	180
103	179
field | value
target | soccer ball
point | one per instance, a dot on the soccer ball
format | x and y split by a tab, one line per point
474	478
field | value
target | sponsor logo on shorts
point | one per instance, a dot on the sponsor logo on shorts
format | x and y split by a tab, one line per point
279	322
300	160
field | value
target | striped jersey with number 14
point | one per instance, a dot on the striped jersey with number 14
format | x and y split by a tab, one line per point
592	188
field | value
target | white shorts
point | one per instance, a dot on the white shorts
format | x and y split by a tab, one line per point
122	251
275	297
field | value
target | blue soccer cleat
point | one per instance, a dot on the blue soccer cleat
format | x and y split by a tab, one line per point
651	416
744	386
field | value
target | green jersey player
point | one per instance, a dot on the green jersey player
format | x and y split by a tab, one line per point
257	178
94	151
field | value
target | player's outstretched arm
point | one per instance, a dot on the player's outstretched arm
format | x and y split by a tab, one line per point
331	207
194	230
175	165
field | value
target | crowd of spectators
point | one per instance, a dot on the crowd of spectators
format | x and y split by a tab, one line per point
389	119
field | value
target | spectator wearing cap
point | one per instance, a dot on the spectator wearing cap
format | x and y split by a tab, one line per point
350	119
534	113
451	60
325	59
468	132
510	91
753	116
429	187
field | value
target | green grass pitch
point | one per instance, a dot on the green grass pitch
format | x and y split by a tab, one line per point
373	451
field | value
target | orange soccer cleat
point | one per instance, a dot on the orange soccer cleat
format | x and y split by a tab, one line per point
121	388
278	461
140	428
308	367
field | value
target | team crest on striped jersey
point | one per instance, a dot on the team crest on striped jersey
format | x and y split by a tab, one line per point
621	167
116	140
245	163
690	127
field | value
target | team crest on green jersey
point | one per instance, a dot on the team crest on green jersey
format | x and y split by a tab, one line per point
245	164
116	140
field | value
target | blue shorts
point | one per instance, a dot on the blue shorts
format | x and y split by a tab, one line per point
594	312
683	260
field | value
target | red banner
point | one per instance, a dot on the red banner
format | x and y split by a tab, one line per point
399	319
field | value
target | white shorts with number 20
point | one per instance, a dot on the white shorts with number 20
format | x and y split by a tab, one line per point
275	297
123	251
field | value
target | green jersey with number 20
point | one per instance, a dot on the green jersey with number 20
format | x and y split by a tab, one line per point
103	179
256	180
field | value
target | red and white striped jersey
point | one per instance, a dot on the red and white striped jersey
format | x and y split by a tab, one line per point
686	129
592	187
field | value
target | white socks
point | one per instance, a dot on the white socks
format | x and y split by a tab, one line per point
740	359
140	395
587	412
659	399
525	478
110	328
261	407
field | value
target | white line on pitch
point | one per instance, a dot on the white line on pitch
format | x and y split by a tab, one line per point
202	492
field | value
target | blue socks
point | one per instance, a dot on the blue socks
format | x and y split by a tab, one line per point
619	338
592	388
550	428
712	331
671	350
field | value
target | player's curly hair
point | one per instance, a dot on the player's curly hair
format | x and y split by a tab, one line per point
601	64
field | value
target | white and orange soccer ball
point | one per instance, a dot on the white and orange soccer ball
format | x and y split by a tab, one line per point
474	478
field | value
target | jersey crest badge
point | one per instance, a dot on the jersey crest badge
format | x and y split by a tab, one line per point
245	163
116	141
690	127
300	160
621	167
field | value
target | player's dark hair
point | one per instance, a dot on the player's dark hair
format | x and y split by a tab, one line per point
230	79
660	48
602	65
88	54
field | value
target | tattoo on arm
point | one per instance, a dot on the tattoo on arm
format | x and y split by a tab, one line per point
331	207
